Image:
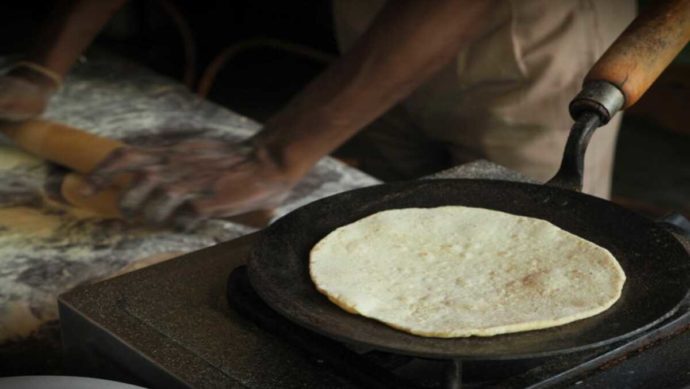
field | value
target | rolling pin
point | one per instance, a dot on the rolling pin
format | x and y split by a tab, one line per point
75	149
60	143
82	152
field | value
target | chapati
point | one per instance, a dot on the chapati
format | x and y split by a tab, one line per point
458	271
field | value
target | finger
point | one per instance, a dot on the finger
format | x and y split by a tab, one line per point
230	154
163	204
138	192
228	204
103	173
121	160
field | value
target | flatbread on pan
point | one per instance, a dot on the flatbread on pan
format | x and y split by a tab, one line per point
458	271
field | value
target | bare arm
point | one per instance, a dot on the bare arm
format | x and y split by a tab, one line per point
25	91
72	28
409	41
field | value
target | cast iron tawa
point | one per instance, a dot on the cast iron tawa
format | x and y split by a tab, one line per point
655	263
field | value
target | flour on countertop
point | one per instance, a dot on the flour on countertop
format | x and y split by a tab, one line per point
45	249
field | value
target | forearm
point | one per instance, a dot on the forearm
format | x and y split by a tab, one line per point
408	42
67	34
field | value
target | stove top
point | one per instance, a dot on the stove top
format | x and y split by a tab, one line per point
172	325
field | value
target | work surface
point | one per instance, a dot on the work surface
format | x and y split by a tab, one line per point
46	250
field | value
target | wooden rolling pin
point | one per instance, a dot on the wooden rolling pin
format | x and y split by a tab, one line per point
75	149
82	152
60	143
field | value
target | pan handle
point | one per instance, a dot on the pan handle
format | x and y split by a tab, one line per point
620	77
644	49
569	175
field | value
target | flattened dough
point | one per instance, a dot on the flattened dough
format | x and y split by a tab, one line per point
458	271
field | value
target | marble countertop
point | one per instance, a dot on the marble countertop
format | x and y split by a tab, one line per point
46	250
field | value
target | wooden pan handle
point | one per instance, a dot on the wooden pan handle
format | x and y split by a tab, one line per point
644	49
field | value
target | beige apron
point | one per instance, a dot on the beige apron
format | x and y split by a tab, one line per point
506	96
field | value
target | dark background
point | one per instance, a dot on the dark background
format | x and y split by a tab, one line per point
255	81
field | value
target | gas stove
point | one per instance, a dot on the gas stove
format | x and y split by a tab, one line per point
171	326
375	369
195	321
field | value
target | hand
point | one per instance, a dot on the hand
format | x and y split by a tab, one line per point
24	96
195	180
